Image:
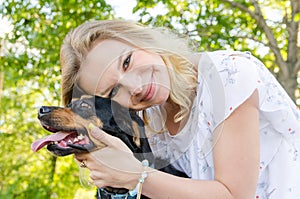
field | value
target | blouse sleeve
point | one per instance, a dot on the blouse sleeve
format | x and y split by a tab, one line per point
227	79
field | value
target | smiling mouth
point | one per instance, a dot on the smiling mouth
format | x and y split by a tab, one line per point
150	91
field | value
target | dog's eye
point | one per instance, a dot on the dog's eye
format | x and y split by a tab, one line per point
85	105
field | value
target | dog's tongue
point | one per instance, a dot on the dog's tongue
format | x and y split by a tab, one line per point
38	144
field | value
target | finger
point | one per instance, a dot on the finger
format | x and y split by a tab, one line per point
94	175
106	139
100	135
100	183
80	157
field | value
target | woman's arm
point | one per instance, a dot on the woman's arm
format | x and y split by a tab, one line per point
237	149
236	161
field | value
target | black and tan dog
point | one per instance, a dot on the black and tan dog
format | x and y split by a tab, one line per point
69	126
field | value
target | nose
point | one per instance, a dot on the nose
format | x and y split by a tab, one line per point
133	83
44	110
136	91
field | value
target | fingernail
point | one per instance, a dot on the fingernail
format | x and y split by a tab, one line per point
91	126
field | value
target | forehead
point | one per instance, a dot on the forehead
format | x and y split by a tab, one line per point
105	52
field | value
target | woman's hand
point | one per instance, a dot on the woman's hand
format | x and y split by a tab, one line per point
113	165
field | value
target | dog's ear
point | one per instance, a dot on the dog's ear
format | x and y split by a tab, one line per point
137	133
127	121
116	115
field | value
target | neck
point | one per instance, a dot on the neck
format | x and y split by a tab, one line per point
171	110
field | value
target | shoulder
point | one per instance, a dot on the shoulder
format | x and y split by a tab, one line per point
228	65
226	80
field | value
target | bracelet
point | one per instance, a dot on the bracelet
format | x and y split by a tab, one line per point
138	189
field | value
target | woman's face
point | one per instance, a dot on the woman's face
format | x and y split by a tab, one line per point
133	77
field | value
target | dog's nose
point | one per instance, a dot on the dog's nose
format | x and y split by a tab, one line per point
44	110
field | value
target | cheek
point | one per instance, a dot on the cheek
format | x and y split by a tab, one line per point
163	94
163	77
123	98
87	85
142	58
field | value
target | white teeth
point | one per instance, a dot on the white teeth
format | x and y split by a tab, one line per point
56	142
69	141
75	140
80	137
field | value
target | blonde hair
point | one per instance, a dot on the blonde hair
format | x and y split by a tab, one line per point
173	49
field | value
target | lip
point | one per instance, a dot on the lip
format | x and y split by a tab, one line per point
150	91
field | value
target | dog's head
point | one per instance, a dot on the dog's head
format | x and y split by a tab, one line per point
70	127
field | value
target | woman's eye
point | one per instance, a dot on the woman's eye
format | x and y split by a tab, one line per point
114	91
126	62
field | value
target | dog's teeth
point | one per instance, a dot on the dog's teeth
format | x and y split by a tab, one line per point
69	141
75	140
80	137
56	142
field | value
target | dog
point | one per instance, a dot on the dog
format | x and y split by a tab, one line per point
70	125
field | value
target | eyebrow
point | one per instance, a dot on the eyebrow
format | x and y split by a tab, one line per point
120	58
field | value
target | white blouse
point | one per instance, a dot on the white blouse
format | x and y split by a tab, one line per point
226	79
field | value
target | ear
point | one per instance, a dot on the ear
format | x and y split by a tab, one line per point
136	133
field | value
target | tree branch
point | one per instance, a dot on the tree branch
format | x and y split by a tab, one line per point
293	28
297	66
253	39
257	15
241	7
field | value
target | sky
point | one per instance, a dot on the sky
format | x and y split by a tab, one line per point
123	8
5	27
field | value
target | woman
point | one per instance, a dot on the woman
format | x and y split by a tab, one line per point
220	117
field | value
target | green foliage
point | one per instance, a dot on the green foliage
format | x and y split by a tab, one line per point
31	78
215	24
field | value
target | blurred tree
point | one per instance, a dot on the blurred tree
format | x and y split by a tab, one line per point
29	78
267	28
